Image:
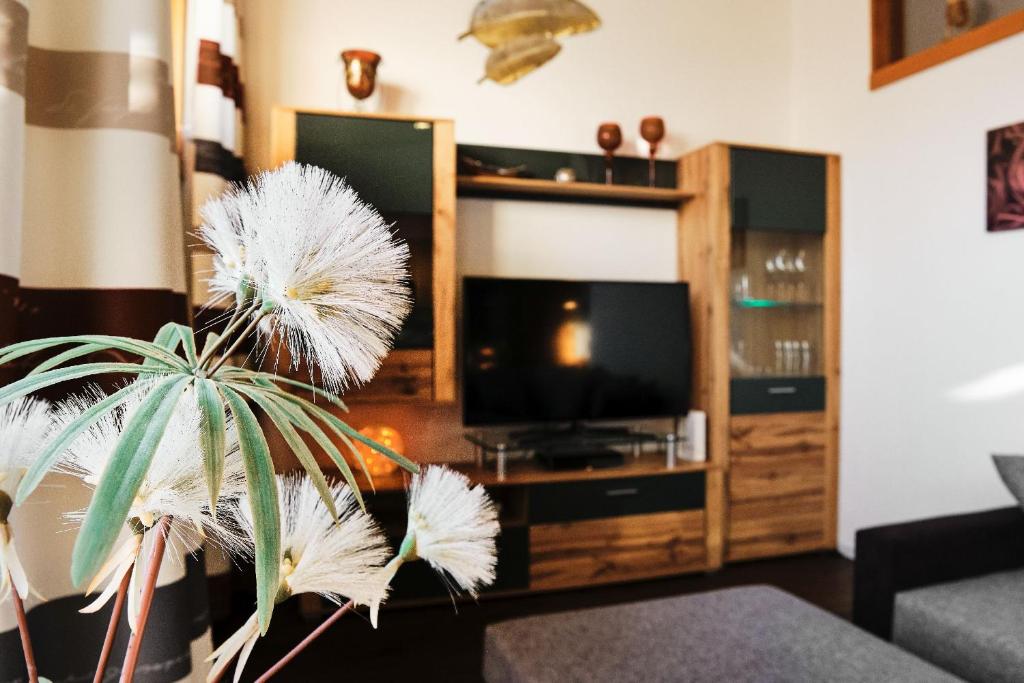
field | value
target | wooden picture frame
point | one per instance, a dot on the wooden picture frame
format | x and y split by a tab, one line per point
887	61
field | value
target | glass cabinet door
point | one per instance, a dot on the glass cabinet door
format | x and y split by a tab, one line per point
776	313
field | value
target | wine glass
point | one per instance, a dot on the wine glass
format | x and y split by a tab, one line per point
652	129
609	138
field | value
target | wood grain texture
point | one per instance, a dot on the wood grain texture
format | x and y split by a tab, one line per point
282	135
534	186
444	272
832	355
616	549
714	516
777	433
776	526
360	114
886	72
754	477
404	375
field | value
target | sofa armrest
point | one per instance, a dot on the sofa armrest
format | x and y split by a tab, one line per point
899	557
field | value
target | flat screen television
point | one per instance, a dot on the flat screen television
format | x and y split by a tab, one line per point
552	351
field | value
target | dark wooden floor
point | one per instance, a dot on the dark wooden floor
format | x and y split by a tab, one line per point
437	644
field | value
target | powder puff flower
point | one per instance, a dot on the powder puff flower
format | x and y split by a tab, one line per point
174	486
24	425
452	525
326	266
318	555
226	234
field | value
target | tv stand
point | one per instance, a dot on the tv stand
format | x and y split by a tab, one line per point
574	458
575	432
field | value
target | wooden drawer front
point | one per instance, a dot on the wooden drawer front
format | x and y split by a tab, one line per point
404	374
776	433
601	498
616	549
771	476
776	526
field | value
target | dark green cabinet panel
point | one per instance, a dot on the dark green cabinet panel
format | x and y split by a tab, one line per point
389	163
777	190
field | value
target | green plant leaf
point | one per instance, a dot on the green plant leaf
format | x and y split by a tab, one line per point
188	343
56	447
259	475
122	477
211	341
283	422
64	357
342	428
212	436
26	386
236	373
134	346
304	422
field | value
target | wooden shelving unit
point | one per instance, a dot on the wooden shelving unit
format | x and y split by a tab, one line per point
529	188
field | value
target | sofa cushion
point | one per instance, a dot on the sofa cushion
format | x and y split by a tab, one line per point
973	627
753	633
1011	471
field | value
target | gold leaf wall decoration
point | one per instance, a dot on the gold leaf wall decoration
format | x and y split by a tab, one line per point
521	33
512	60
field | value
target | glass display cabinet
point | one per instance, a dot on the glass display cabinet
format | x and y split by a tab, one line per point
760	248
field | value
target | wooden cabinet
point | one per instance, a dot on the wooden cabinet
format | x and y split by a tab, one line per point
405	168
759	246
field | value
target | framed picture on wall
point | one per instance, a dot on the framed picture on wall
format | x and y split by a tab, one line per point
1006	178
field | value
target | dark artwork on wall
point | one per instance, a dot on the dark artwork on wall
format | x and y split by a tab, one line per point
1006	178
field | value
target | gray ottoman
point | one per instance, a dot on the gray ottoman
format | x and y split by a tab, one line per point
754	633
974	628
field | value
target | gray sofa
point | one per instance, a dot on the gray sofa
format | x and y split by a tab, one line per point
948	589
748	634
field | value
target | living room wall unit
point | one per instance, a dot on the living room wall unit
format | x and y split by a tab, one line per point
760	247
405	167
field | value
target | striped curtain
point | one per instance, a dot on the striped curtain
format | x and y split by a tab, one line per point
90	241
213	113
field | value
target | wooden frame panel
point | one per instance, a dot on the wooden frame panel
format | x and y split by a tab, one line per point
832	356
703	253
887	60
442	357
616	549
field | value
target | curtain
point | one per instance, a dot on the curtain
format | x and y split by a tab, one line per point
91	241
213	115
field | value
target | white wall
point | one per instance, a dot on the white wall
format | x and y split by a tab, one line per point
932	303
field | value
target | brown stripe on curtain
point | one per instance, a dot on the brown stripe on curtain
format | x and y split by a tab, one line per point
219	70
13	44
73	89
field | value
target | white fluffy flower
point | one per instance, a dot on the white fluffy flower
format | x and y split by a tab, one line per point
337	560
225	233
326	266
452	525
23	428
174	486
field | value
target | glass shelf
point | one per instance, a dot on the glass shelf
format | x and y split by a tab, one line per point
761	304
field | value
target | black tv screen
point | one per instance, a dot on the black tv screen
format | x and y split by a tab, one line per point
560	351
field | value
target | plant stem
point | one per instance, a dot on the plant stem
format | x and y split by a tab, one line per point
234	347
115	619
236	321
26	641
156	556
295	651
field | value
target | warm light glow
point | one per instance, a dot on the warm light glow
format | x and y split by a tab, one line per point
572	343
570	305
376	463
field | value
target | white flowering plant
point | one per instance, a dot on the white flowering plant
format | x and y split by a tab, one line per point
310	267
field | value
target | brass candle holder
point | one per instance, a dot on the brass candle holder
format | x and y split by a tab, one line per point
360	72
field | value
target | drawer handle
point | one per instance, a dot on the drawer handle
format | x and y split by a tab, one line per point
621	492
777	391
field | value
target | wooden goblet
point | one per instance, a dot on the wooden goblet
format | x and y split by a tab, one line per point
609	138
652	129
